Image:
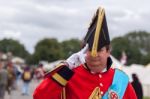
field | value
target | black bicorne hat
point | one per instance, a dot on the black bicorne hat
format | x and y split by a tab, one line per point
97	35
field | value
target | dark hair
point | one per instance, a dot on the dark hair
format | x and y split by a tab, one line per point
108	47
134	77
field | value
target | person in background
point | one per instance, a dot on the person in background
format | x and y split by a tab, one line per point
11	77
26	77
3	80
18	72
39	73
137	86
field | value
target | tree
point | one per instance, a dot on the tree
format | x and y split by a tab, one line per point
70	46
10	45
47	50
136	46
119	44
141	40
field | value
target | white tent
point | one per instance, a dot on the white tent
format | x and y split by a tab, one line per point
18	60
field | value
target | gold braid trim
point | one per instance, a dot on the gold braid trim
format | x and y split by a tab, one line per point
63	94
59	79
97	32
96	94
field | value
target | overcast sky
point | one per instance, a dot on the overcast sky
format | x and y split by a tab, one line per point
32	20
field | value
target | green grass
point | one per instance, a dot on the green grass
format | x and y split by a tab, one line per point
146	97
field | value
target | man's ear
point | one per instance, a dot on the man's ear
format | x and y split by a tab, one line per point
108	51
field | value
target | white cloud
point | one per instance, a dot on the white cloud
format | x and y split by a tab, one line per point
9	33
32	20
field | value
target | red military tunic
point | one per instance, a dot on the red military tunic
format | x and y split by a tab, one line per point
80	86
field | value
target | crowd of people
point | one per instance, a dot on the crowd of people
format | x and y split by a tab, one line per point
12	73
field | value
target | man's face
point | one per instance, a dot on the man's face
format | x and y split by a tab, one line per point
100	60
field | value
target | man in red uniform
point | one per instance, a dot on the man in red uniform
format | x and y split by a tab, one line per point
95	79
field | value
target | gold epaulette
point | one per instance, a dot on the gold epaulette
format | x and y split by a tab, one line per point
61	74
57	67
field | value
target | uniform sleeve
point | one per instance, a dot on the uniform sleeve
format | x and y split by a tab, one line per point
130	93
48	89
51	87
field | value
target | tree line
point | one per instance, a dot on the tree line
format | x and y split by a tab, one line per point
134	44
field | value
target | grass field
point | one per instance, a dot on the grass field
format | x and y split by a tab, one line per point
146	97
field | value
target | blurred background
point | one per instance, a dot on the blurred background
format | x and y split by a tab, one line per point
35	35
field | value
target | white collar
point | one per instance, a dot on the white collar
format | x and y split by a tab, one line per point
104	70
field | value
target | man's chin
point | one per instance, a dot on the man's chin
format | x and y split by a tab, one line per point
97	65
